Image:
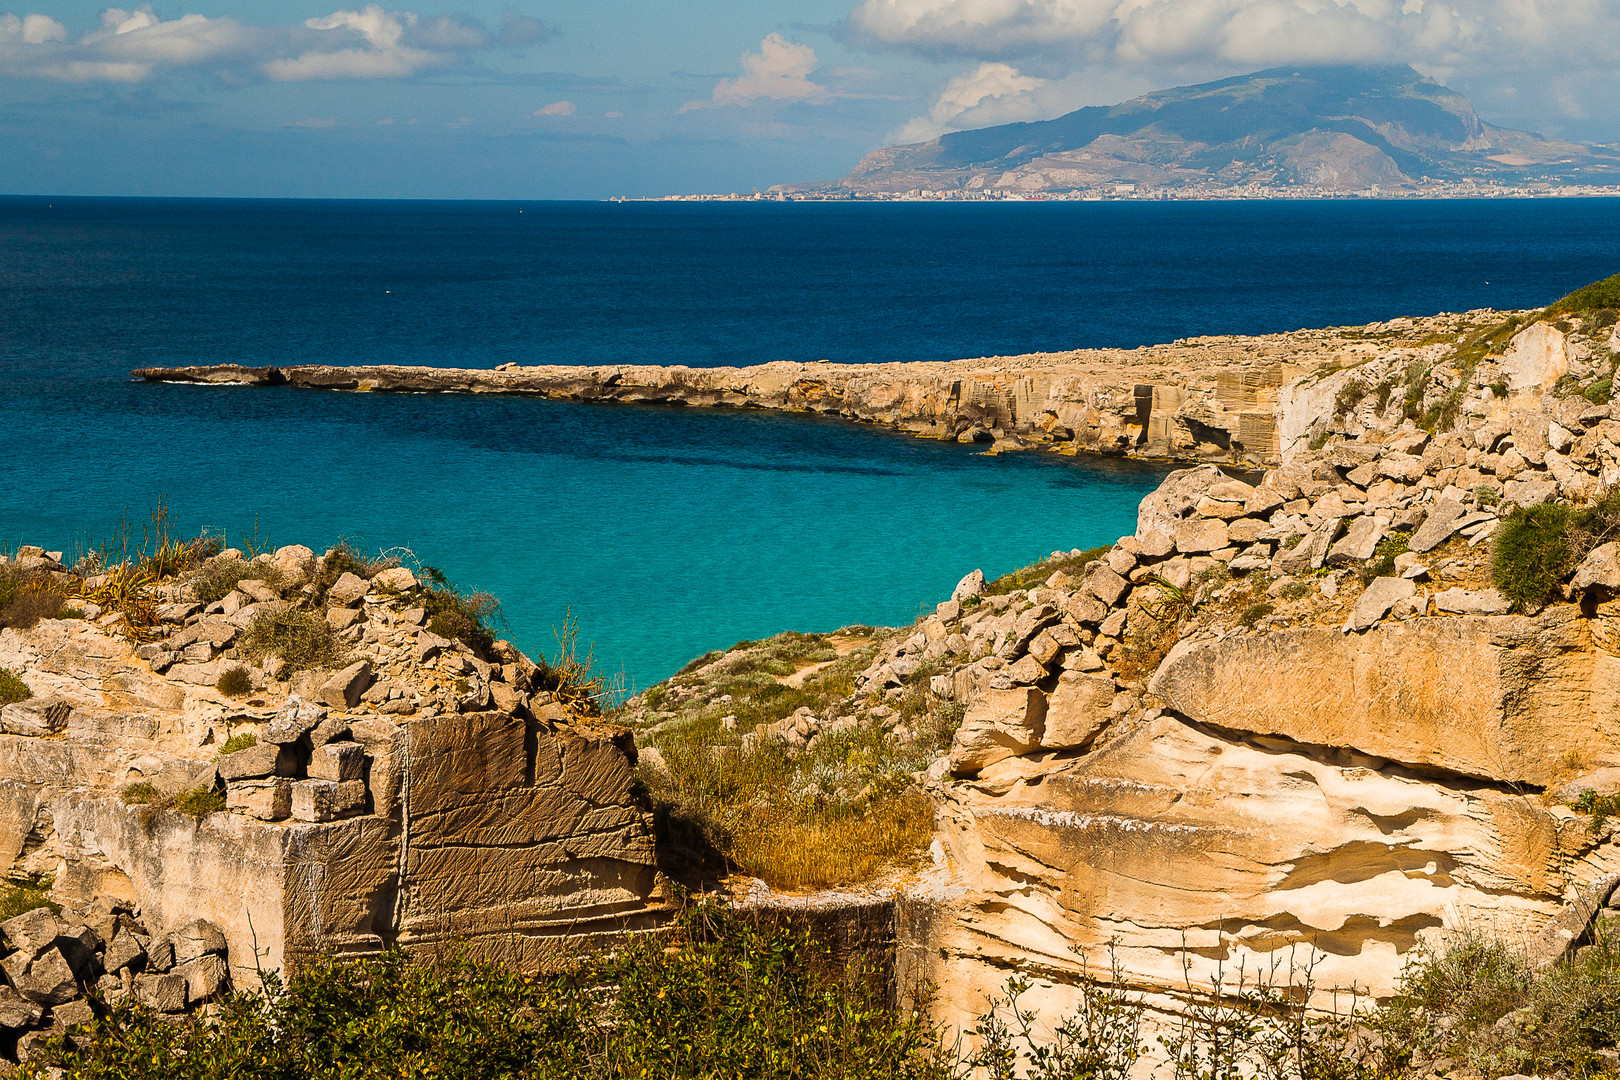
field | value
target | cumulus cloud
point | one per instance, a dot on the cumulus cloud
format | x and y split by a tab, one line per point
780	71
995	93
133	45
1246	32
558	108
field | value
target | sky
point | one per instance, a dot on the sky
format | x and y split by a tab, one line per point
589	99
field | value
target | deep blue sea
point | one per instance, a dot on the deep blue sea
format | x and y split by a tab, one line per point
667	532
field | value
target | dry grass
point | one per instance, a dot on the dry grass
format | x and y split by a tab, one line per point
792	854
300	637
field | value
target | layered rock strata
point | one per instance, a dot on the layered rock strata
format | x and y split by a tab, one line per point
1254	731
414	795
1226	399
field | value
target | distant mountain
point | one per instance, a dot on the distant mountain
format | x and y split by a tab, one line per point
1335	128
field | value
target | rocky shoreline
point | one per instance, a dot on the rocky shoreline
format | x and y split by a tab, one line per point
1243	401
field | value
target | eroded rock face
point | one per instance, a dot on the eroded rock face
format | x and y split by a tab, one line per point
1504	698
1175	842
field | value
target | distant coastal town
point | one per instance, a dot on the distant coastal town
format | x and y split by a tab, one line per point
1123	192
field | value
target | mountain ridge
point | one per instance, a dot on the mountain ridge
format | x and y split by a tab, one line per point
1334	128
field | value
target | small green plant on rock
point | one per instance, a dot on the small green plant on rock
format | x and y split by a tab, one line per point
243	741
199	802
25	893
140	793
1254	613
12	689
235	681
1382	564
1601	807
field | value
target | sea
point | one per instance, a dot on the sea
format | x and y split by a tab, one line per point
661	533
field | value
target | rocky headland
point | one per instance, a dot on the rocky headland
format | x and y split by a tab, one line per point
1246	401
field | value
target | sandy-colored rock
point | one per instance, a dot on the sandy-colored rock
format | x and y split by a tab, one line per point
998	725
1077	710
1536	359
1487	696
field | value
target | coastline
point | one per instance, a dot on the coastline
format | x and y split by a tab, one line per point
1227	399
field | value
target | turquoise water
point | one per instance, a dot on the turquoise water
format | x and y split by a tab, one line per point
667	532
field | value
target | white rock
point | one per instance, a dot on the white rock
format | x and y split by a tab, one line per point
1375	603
1536	359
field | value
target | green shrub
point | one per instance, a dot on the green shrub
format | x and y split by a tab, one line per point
720	996
12	689
457	616
1603	318
216	578
1599	392
199	802
300	637
1532	554
1594	297
1487	496
1443	414
244	741
140	793
1601	807
235	681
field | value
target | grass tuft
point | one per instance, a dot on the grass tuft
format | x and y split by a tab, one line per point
235	681
246	740
199	802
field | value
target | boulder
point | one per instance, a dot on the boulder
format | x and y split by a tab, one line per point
1604	781
1200	535
196	938
1077	710
267	800
204	977
343	690
338	762
163	993
1360	541
341	618
1375	603
1536	359
49	979
347	590
261	759
970	586
396	579
1106	585
36	716
1437	527
1175	500
294	719
1406	468
998	725
123	951
1600	568
296	565
17	1011
34	931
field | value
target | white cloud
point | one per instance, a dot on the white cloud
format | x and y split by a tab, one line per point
132	45
1253	33
993	94
780	71
557	108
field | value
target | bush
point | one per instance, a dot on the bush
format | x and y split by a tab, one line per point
246	740
12	689
457	616
199	802
215	579
27	596
140	793
1255	612
1349	396
301	638
235	681
1532	554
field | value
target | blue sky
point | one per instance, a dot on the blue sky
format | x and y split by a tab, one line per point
545	99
